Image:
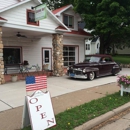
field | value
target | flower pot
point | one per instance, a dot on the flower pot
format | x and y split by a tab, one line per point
14	78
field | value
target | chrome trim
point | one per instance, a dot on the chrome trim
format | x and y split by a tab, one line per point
78	76
77	69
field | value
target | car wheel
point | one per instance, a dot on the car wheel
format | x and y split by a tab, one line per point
113	73
91	75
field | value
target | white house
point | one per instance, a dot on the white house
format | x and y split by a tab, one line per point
92	46
55	40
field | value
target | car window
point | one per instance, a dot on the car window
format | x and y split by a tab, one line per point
94	59
87	59
108	59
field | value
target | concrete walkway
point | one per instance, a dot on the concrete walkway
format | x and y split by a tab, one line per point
65	93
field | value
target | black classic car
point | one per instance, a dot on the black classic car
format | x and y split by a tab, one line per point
94	66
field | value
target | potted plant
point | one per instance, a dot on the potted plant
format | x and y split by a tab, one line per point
124	82
14	77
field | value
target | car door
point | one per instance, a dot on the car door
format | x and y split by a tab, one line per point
105	67
110	63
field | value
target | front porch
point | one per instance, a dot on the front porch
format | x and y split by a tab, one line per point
22	76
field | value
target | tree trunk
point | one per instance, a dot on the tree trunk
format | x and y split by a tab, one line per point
113	49
102	51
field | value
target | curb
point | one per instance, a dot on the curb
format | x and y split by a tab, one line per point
92	123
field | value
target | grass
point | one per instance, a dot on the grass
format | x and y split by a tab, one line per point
122	59
76	116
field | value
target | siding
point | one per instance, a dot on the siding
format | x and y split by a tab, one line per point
31	50
17	16
6	3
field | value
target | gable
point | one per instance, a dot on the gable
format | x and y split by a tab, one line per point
72	12
58	11
68	11
16	18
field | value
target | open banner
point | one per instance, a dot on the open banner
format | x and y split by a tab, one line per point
40	111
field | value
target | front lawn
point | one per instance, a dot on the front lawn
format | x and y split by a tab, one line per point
76	116
122	59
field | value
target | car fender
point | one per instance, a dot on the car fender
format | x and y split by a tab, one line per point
116	69
90	69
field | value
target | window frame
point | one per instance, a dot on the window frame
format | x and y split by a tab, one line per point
87	46
31	23
71	53
68	16
20	53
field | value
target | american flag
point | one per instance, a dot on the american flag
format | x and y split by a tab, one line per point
36	83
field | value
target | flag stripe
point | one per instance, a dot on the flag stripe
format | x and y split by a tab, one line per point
36	83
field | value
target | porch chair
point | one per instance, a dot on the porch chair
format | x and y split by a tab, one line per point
45	69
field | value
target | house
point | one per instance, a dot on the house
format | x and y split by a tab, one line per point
55	40
92	46
125	51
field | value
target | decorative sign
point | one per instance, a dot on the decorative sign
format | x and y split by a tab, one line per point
40	12
40	111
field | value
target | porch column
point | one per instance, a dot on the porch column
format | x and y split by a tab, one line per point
1	59
57	43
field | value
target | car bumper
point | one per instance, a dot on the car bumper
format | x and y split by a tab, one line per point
77	76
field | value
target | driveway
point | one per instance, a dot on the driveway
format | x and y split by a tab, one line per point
13	94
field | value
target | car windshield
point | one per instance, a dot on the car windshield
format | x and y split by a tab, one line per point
92	59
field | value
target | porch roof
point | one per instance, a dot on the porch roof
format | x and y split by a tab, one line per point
2	20
80	32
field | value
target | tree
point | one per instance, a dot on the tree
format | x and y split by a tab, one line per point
54	4
108	19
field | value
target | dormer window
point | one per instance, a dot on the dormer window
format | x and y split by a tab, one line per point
68	20
87	46
31	18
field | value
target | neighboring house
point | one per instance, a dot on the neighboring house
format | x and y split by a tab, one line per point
92	46
125	51
56	40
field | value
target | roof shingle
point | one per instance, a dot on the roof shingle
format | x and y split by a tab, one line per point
59	9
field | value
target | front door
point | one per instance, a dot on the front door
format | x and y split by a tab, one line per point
47	57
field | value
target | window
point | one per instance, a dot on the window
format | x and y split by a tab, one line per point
69	55
31	18
46	54
68	20
97	45
12	55
87	46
